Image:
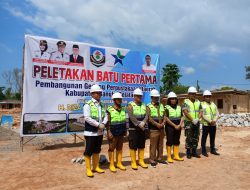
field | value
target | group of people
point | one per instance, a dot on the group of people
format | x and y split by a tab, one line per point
155	119
59	55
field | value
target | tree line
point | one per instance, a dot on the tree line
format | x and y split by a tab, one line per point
13	85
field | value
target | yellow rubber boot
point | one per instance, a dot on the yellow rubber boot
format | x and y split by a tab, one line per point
176	154
133	159
169	158
141	158
89	173
119	160
96	167
112	162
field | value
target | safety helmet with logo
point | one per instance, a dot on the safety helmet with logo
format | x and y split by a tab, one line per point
207	93
117	95
154	93
95	88
192	89
138	91
172	95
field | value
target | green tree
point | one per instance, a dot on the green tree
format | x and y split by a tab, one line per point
170	77
8	94
226	88
2	96
13	80
17	96
180	89
248	72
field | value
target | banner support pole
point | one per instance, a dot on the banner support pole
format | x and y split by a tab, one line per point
22	143
77	136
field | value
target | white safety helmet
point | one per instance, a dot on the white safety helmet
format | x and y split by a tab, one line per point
154	93
95	88
192	89
172	95
117	95
138	91
207	93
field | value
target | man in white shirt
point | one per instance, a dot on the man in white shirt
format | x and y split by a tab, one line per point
60	55
148	67
95	121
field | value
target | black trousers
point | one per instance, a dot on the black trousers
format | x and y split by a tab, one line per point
211	130
173	135
93	145
137	139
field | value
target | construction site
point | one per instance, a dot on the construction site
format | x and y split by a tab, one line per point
46	163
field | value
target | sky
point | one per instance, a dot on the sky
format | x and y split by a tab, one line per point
209	40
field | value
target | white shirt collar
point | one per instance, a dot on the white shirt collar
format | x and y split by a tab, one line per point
95	101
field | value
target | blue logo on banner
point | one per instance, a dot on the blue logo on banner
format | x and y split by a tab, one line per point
97	56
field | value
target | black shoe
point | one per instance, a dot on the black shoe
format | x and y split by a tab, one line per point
189	156
204	154
194	154
214	152
162	161
153	164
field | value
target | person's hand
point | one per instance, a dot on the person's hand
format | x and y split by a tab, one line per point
163	124
158	125
101	126
110	136
213	123
178	127
195	121
141	125
125	134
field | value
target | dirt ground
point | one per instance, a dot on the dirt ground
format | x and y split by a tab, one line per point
46	164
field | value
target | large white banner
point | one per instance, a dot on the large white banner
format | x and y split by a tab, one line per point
58	75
